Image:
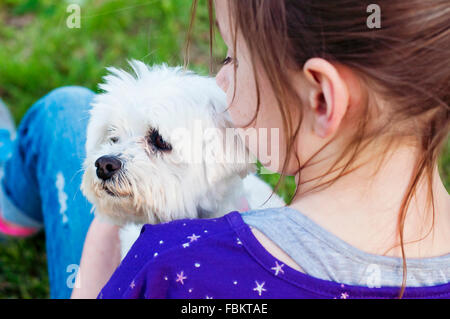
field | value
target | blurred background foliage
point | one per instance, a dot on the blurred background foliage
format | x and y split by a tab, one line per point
38	53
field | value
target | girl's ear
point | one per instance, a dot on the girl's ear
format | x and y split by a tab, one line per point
328	98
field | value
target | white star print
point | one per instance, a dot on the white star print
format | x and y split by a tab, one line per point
277	268
259	288
238	241
197	265
180	278
132	285
344	295
208	297
161	242
185	245
193	237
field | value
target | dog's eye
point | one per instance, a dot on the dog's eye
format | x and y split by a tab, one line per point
156	140
114	139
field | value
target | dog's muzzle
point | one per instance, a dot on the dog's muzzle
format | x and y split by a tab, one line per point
107	166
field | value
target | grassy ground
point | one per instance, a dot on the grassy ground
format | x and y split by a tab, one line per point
38	53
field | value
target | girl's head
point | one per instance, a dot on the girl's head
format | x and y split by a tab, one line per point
335	87
317	71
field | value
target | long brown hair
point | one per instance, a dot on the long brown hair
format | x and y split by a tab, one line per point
407	60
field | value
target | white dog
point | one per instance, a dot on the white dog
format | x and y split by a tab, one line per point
156	151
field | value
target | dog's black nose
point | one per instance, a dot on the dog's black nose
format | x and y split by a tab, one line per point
107	166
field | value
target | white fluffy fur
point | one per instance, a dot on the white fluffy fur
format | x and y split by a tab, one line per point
154	187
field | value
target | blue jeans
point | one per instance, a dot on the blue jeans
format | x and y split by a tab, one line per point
42	180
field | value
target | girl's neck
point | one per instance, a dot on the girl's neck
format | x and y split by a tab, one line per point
362	208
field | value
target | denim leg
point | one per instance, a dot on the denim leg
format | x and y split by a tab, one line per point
43	177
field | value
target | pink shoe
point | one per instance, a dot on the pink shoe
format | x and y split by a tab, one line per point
12	230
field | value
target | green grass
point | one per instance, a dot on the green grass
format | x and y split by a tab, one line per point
42	53
23	268
39	53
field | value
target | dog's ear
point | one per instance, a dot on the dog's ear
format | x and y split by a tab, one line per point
225	153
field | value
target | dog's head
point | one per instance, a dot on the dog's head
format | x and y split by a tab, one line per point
156	145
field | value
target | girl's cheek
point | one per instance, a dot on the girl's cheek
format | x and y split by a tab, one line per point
222	79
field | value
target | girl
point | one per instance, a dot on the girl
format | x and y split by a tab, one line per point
362	114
